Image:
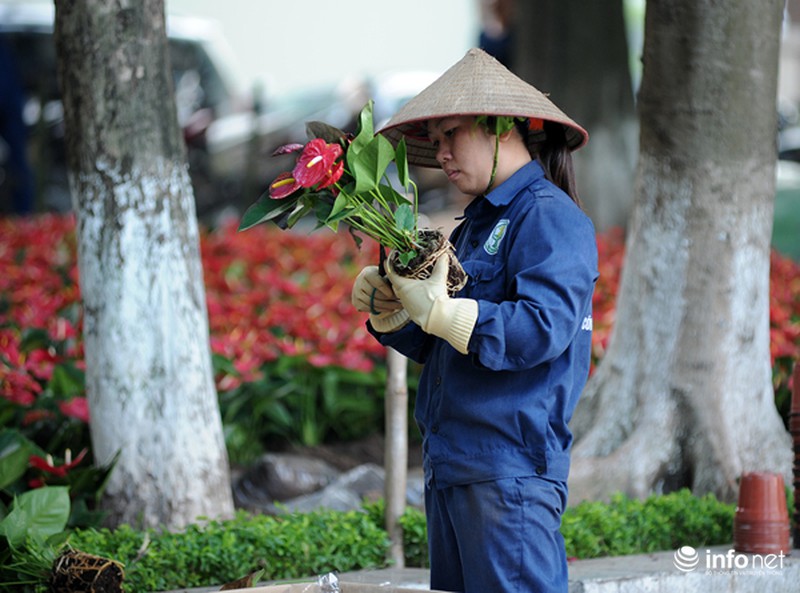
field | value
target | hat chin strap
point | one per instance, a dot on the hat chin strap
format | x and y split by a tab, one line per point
494	164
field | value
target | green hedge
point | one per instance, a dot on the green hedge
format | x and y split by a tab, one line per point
628	526
300	545
286	547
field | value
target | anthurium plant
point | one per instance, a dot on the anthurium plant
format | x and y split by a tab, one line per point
342	179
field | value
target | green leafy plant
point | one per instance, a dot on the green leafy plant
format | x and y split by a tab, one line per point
285	547
24	465
632	526
295	402
32	535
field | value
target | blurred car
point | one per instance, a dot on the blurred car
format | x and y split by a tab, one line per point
228	135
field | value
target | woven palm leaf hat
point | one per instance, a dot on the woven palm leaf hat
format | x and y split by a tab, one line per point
476	85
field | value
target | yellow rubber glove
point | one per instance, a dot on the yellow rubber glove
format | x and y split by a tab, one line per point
430	307
373	294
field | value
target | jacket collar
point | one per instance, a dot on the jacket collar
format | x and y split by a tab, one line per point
504	193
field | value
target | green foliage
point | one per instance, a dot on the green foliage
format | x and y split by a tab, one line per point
415	538
415	531
31	536
302	545
286	547
297	402
15	449
631	526
84	482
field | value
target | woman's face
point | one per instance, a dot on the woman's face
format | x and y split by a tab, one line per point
465	152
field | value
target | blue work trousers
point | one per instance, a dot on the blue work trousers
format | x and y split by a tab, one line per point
499	536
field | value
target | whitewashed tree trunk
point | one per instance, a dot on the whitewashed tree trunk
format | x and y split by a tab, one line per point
683	396
148	364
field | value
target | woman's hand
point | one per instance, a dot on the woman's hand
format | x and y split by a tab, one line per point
373	294
431	308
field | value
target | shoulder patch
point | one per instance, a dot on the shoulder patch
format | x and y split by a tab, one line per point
492	244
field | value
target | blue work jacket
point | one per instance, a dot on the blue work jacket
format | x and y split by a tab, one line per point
502	410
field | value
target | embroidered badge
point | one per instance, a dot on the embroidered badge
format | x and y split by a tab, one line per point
492	244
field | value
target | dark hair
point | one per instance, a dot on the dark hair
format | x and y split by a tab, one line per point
555	157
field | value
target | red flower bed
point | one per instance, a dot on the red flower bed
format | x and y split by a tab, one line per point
270	293
273	293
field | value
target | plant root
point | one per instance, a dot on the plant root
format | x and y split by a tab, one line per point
77	571
433	245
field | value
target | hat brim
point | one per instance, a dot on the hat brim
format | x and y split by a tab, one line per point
476	85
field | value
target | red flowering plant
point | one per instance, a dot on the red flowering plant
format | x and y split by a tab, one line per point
343	180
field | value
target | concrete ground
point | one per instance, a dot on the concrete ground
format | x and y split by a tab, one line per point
719	570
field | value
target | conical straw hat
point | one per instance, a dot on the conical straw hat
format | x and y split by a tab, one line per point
476	85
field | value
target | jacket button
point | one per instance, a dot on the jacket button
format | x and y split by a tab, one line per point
438	380
540	470
435	429
474	243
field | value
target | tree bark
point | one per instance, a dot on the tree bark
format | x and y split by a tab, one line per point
683	396
149	379
579	55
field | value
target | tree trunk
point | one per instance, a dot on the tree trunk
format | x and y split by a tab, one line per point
683	396
149	379
580	56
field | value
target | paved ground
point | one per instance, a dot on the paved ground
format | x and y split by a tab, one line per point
719	570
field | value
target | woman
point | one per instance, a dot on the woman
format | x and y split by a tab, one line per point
507	357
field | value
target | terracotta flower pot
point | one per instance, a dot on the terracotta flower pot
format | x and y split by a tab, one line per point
761	523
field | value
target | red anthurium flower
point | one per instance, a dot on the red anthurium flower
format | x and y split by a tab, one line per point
314	165
333	176
34	416
60	471
77	407
283	186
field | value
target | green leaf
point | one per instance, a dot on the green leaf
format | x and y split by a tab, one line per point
302	208
369	165
15	449
404	218
365	130
322	209
38	514
266	209
319	129
222	364
339	204
401	158
392	196
67	381
333	220
407	256
34	339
